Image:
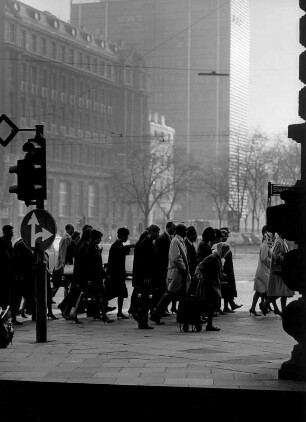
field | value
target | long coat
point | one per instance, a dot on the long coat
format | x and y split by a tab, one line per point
162	245
261	279
276	286
203	251
192	256
145	265
209	274
116	269
178	276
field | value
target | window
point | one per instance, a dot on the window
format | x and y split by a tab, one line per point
102	69
53	50
43	77
95	65
23	39
63	54
63	200
33	75
71	56
80	59
43	46
92	201
33	42
23	71
49	204
11	32
79	199
88	62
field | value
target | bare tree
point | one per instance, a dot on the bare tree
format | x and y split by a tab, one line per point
150	177
215	185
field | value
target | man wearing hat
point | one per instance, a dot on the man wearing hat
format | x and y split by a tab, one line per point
8	284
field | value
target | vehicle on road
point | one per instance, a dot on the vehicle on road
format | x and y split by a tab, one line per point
236	238
255	238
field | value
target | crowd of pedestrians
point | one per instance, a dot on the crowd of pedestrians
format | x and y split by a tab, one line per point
268	282
167	268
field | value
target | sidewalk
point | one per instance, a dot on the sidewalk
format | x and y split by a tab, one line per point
241	361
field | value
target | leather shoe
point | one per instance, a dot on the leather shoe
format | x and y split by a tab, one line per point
110	308
228	311
157	321
235	306
212	328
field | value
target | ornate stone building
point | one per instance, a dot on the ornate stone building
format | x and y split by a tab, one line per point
91	95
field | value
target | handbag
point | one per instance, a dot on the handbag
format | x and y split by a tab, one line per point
68	269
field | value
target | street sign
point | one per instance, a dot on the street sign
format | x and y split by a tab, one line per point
276	190
14	130
38	230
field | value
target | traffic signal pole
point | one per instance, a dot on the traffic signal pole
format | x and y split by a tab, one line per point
41	277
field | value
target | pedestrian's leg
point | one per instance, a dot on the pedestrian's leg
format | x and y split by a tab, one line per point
283	301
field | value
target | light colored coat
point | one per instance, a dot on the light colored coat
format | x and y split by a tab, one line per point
178	275
62	250
276	286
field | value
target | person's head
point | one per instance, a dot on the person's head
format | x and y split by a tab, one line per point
153	231
218	235
192	234
95	236
209	235
123	234
222	249
170	228
76	236
69	229
86	227
181	230
225	235
8	231
86	235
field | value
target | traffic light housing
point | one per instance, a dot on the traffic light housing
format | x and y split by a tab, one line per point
289	219
31	171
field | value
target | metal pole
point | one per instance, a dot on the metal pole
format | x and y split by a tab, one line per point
41	278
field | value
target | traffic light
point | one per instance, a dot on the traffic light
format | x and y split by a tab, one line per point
302	63
289	219
31	171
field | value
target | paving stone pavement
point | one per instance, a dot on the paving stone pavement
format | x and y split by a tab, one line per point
245	354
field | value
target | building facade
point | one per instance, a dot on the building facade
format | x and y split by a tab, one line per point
91	103
198	55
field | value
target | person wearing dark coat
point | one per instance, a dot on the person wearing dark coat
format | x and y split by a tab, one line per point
116	269
95	273
191	250
24	262
146	266
209	272
204	247
8	288
229	277
136	274
162	246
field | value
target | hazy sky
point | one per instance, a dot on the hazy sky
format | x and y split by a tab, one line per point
274	81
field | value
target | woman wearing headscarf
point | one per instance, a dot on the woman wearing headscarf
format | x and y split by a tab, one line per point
209	275
261	279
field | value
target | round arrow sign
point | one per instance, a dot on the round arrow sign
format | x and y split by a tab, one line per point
38	230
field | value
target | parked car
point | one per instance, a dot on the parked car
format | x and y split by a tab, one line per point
247	239
255	238
236	238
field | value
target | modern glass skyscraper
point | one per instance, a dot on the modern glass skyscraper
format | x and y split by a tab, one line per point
198	55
